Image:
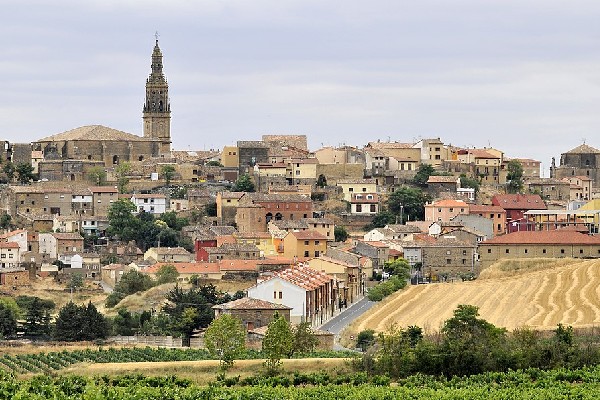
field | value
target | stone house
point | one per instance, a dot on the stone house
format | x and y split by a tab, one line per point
102	198
302	171
254	313
232	251
14	277
438	184
54	244
227	204
391	232
539	244
112	273
580	189
583	160
550	188
255	210
324	226
250	153
168	254
442	255
378	252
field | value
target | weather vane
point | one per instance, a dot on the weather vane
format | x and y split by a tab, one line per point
156	35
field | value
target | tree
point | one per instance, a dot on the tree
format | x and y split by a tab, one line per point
467	182
211	209
5	221
97	176
24	172
213	163
168	172
9	170
122	171
124	323
277	343
76	323
173	221
8	318
305	339
423	174
191	309
340	233
399	267
166	274
121	221
381	219
365	339
76	281
225	338
408	203
131	282
243	184
514	177
37	314
321	181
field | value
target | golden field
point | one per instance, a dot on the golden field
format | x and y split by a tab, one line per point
537	293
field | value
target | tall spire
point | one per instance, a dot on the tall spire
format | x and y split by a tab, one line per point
157	109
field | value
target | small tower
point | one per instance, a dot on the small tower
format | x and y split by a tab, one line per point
157	109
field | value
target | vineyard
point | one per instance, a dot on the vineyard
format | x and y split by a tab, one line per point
55	361
528	384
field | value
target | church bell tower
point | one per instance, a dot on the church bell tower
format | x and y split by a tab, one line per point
157	109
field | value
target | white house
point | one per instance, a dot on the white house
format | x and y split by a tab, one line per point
18	236
9	255
150	203
308	292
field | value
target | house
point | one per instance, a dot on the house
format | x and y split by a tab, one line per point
304	244
112	273
378	252
496	214
253	313
262	240
441	255
445	210
437	184
10	255
234	251
324	226
476	223
102	198
155	204
580	188
203	270
515	205
310	294
364	203
583	160
302	171
433	151
487	163
391	232
168	254
550	188
352	186
539	244
14	277
19	236
54	244
255	210
350	279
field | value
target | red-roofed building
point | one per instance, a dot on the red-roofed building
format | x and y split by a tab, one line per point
515	205
445	210
539	244
496	213
187	269
311	294
253	313
10	254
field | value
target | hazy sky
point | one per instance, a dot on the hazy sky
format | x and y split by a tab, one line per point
521	76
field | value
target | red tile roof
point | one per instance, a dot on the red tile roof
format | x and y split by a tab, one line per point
308	234
9	245
519	202
187	268
567	237
475	209
304	277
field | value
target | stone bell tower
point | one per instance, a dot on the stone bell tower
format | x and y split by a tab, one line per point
157	109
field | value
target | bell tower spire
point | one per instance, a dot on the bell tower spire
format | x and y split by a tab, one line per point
157	109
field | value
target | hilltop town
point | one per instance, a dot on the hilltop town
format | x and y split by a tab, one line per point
271	223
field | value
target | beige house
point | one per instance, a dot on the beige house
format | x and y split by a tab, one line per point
539	244
227	204
10	256
230	157
303	171
349	277
304	244
580	188
168	254
353	186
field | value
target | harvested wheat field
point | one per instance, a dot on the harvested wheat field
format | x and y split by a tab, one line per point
536	293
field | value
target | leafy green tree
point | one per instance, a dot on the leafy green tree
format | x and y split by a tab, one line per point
423	174
173	221
5	221
471	345
97	176
340	233
399	267
225	339
36	312
191	309
365	339
305	339
76	323
9	169
121	221
381	219
24	173
131	282
243	184
409	203
125	323
277	343
168	172
76	281
166	274
321	181
467	182
122	172
213	163
9	311
514	177
211	209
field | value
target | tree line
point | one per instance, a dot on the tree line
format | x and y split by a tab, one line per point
468	345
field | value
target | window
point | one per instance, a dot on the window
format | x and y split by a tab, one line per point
316	242
580	251
306	254
544	251
358	208
351	189
364	189
274	295
464	252
562	251
464	261
490	251
507	251
280	295
306	242
373	208
451	209
448	252
448	261
316	254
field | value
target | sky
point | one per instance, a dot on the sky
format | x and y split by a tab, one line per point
520	76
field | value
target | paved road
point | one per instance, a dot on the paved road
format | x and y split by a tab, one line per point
340	321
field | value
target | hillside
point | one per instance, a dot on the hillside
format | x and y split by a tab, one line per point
535	293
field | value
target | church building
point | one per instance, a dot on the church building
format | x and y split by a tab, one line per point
95	145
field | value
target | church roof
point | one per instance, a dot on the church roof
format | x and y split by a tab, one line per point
583	149
93	132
